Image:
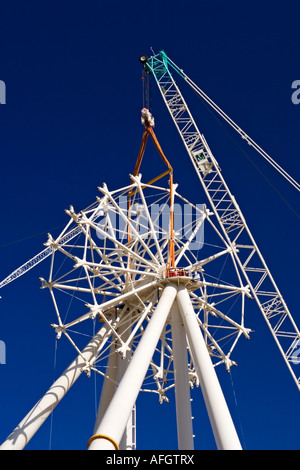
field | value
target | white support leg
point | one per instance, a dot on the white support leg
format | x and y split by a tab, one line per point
26	429
223	428
109	384
127	442
182	387
116	366
112	426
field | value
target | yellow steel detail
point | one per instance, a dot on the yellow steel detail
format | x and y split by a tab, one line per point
103	436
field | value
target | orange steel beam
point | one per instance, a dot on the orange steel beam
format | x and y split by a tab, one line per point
135	172
149	131
141	153
132	193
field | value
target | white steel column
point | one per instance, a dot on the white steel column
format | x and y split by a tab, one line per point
112	426
182	387
223	428
109	384
127	442
116	366
26	429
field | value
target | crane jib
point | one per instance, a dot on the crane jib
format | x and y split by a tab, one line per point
248	257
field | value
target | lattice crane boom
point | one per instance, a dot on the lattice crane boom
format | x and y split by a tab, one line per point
231	220
35	260
65	237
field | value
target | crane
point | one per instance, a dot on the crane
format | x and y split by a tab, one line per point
161	326
226	209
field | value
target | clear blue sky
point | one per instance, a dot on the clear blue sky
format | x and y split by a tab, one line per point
72	121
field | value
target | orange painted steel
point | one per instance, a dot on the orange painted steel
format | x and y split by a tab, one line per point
150	132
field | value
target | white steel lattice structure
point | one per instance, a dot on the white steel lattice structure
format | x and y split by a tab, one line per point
171	303
123	284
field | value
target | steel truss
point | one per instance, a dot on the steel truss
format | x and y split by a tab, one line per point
121	283
231	220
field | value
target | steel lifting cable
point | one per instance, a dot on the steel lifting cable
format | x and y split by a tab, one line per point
143	87
242	133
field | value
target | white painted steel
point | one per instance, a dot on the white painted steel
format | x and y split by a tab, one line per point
182	386
107	277
223	428
115	369
109	384
123	360
26	429
115	419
